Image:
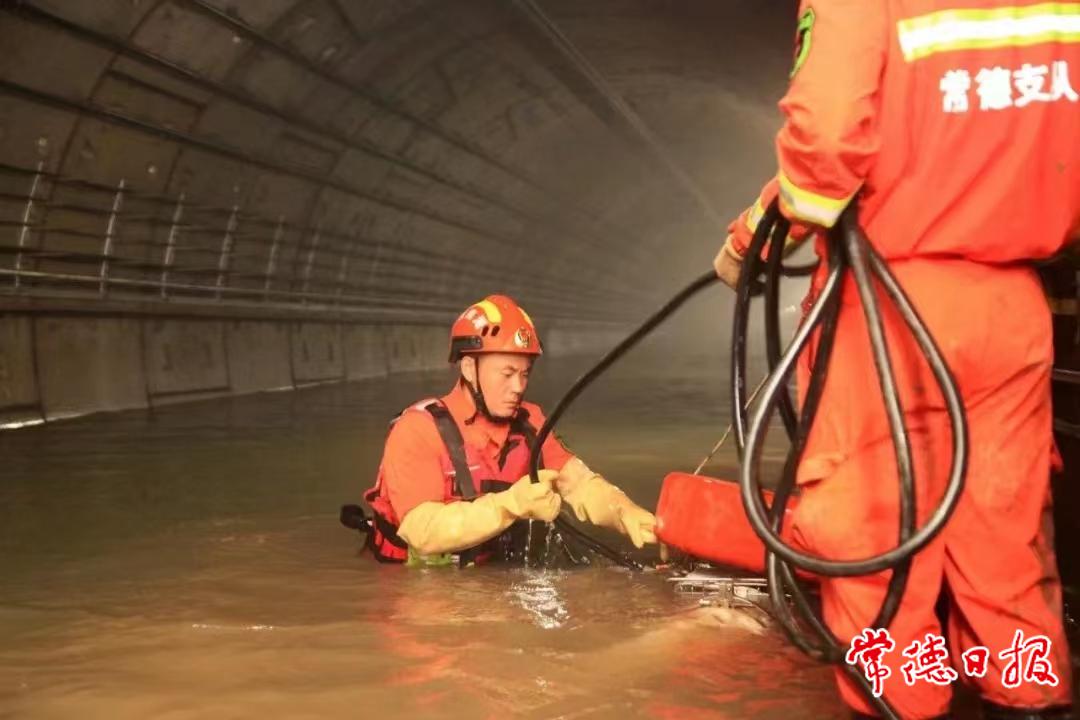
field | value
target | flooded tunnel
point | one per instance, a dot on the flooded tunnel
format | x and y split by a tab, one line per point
224	198
233	237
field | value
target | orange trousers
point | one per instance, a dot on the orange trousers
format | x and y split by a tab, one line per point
995	559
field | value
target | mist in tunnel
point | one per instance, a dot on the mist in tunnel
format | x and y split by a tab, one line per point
402	156
205	200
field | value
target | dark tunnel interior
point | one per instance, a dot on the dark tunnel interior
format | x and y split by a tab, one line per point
357	168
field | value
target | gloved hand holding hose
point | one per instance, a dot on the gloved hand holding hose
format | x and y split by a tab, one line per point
729	260
433	528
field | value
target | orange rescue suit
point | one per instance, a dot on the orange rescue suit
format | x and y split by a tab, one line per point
957	124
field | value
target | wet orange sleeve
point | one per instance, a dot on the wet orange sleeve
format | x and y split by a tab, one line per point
742	229
412	471
830	135
554	452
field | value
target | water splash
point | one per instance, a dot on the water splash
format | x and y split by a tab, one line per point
208	626
528	544
537	594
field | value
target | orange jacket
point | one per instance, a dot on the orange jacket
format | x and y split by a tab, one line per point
958	121
416	466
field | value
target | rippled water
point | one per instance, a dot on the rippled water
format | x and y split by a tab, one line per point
189	564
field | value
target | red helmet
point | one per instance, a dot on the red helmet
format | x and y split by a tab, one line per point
496	324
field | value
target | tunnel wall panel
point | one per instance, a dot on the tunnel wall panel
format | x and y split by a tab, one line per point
19	398
583	340
258	356
316	353
89	364
412	348
28	136
434	343
41	58
365	351
116	17
185	358
92	364
402	354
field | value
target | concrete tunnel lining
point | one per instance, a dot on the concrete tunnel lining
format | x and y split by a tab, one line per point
370	171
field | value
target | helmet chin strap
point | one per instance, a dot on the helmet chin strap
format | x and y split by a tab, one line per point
477	393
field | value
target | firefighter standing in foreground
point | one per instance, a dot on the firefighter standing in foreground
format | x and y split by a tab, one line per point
957	124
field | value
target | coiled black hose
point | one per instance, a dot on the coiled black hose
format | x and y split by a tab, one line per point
847	249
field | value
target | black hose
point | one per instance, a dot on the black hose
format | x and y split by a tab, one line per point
583	382
772	320
781	579
749	480
847	247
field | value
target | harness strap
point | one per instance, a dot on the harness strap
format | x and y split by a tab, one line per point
455	446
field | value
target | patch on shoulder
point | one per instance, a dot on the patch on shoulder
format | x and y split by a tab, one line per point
803	38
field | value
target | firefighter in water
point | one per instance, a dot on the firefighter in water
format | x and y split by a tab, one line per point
454	482
957	125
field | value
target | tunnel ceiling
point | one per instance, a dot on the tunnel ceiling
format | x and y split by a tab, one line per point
403	154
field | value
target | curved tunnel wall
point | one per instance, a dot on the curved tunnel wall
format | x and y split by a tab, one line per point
200	197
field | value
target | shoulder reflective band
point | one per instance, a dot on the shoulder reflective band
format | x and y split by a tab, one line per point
1018	26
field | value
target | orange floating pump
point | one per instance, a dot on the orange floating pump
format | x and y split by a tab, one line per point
704	517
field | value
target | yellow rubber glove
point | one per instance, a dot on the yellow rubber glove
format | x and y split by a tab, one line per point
433	528
594	499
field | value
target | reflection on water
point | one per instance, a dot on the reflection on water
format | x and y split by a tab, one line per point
189	564
537	593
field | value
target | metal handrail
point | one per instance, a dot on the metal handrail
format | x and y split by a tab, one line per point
222	254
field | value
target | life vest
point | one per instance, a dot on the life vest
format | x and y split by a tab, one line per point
468	474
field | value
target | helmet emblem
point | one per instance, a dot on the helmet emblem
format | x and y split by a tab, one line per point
522	338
